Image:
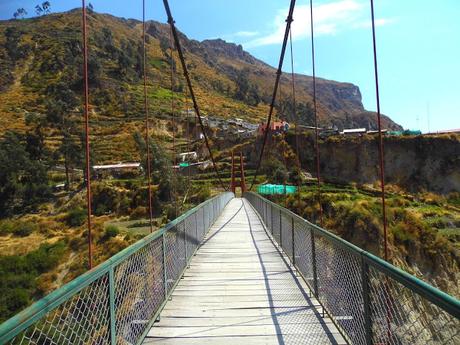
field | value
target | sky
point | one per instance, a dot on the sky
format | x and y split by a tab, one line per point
417	40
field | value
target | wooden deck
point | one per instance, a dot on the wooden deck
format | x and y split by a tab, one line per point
240	289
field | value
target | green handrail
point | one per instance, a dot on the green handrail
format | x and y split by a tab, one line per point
441	299
18	323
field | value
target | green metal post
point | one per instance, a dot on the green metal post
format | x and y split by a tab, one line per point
281	231
366	302
271	219
185	244
293	241
113	333
165	273
313	263
204	223
196	228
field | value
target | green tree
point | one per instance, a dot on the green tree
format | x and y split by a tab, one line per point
60	103
38	10
20	13
242	85
46	6
23	181
160	166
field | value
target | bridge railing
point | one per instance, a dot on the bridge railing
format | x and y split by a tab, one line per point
369	300
117	301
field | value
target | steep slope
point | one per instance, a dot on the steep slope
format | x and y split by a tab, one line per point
42	55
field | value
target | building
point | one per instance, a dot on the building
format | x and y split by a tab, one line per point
276	127
188	156
117	170
354	131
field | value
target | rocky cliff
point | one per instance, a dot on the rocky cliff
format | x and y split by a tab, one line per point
421	163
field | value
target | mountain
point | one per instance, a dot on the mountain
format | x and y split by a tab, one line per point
41	68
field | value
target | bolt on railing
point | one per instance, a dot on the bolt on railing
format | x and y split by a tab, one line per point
118	301
369	300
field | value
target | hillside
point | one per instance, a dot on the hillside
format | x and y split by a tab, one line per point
41	63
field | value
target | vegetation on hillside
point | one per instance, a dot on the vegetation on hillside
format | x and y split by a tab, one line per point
423	228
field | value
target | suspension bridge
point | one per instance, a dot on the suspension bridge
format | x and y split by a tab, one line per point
238	271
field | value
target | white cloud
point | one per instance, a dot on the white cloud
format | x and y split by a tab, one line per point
368	24
240	34
245	34
329	18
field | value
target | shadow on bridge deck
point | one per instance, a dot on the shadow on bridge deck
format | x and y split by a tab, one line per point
240	289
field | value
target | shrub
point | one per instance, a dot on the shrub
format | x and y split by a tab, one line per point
6	227
19	273
110	231
204	193
24	229
139	212
76	217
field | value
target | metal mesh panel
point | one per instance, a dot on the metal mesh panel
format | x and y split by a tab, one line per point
139	291
303	251
119	299
340	287
190	235
200	223
82	319
368	305
400	316
275	224
174	254
286	234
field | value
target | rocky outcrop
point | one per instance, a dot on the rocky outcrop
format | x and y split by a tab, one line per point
421	163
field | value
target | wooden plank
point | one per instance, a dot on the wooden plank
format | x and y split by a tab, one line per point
240	289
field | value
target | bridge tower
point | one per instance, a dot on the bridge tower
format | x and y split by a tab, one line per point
242	181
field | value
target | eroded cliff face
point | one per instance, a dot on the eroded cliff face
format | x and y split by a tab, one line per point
421	163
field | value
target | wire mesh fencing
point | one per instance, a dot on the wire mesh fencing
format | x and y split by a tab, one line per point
118	301
369	300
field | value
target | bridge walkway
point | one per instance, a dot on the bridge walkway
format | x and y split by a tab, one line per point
240	289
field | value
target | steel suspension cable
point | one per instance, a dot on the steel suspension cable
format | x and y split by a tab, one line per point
296	121
275	89
173	122
388	297
189	84
87	147
315	110
146	110
381	147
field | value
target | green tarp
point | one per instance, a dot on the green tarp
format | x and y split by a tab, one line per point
184	165
276	189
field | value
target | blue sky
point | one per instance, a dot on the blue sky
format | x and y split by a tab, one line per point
418	44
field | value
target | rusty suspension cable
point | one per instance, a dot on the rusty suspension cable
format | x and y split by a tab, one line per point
87	147
275	89
315	110
146	110
189	84
294	110
381	147
174	189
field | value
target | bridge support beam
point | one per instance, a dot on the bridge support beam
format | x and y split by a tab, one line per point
242	182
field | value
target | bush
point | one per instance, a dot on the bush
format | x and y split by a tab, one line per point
204	193
139	212
76	217
19	273
110	231
6	227
25	229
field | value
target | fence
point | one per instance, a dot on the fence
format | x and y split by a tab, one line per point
118	301
369	300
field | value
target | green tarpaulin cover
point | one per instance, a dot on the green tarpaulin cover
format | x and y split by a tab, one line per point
276	189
